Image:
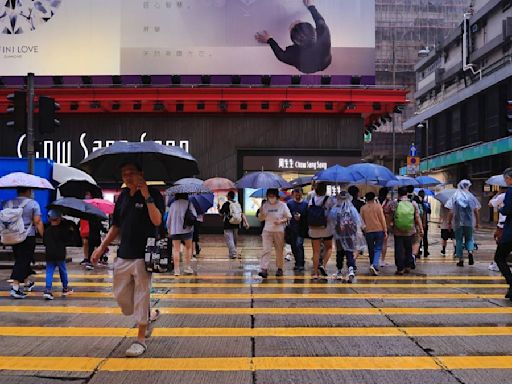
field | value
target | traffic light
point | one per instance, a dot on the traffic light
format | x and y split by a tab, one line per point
47	119
18	110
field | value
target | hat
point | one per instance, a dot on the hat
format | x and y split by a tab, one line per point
54	214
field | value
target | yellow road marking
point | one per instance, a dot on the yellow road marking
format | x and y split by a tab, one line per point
301	285
399	363
284	296
251	277
270	311
258	332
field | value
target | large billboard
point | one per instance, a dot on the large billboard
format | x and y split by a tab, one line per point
98	37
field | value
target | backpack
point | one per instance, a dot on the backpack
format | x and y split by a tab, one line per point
316	214
345	224
404	216
12	227
464	215
189	219
235	213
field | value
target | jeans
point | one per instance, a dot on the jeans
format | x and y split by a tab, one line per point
463	234
500	258
231	237
375	241
340	256
297	244
63	272
403	252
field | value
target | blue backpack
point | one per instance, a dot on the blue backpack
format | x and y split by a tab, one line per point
316	214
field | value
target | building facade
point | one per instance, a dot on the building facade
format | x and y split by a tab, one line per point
463	97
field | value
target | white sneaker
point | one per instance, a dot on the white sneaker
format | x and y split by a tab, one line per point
351	274
136	349
188	271
373	271
177	272
493	267
288	257
339	275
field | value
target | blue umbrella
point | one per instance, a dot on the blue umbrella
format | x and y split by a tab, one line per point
402	181
262	193
371	173
73	207
202	203
336	175
427	191
427	180
257	180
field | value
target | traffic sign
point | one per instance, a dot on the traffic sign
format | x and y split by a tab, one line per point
413	165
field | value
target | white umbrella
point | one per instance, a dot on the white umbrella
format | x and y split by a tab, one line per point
24	180
498	180
445	195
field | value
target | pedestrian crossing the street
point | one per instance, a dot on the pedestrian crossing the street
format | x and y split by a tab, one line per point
225	325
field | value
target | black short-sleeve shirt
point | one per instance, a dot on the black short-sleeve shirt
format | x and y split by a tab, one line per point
132	217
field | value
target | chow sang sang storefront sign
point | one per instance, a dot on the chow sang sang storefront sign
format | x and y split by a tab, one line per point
68	152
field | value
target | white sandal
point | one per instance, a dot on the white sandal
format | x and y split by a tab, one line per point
136	349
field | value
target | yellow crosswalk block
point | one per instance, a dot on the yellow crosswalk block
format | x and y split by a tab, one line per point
270	363
258	332
225	311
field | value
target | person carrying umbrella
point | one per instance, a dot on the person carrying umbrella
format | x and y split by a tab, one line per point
505	240
276	215
464	216
24	250
137	216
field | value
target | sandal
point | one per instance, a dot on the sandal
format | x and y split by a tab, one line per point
136	349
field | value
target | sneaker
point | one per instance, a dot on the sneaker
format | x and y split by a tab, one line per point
48	295
443	252
339	275
407	270
89	267
17	294
460	263
194	258
279	272
29	286
232	257
288	257
66	291
493	267
374	271
84	262
471	259
177	272
136	349
351	274
315	276
322	271
263	273
188	271
400	272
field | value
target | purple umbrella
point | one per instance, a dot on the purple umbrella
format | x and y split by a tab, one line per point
261	179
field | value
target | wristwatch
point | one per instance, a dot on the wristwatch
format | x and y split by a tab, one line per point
150	200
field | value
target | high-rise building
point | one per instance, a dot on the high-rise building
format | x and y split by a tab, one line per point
405	31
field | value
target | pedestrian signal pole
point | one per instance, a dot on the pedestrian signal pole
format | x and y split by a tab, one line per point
30	123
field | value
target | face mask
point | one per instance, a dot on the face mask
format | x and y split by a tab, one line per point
272	200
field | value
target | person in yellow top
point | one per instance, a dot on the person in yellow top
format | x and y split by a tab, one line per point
375	229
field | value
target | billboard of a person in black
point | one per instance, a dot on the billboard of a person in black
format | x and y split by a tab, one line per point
311	49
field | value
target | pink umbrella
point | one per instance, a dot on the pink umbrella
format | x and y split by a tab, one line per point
21	179
103	205
219	184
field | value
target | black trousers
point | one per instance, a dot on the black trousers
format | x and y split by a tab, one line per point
23	256
500	257
403	252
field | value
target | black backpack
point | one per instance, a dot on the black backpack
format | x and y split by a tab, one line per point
316	214
189	219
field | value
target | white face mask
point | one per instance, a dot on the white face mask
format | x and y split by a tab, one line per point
272	200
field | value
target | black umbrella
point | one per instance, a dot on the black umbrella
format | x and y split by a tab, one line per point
73	207
159	162
78	189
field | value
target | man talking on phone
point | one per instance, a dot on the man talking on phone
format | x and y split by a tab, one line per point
137	216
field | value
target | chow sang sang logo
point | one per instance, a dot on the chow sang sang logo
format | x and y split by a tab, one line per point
21	16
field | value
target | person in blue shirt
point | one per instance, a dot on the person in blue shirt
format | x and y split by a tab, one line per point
505	241
298	227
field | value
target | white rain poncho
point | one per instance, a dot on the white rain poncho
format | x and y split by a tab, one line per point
347	223
462	204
